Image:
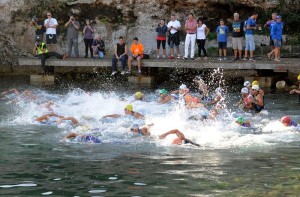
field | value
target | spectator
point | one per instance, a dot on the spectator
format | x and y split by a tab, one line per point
173	38
222	32
249	34
39	28
42	51
276	34
120	53
51	37
202	32
270	24
99	47
137	52
88	35
72	35
161	30
191	29
237	36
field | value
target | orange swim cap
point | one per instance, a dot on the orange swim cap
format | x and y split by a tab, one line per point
286	120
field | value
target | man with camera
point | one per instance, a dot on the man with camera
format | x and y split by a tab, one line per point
72	35
173	39
50	25
38	26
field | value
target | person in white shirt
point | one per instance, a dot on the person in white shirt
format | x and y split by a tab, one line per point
173	38
51	38
202	32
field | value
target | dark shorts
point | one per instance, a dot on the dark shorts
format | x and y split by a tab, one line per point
271	42
173	39
222	45
163	43
51	39
137	57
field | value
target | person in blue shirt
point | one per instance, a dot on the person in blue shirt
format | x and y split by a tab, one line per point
249	34
222	32
276	34
270	24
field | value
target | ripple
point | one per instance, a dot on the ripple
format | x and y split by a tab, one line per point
47	193
140	184
19	185
112	178
97	191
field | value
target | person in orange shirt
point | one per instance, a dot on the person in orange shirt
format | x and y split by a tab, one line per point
137	52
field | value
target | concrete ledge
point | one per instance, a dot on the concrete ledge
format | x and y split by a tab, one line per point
42	79
141	81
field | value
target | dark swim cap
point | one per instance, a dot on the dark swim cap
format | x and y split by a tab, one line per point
89	138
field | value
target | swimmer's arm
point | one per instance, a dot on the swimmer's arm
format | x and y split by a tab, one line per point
259	101
74	120
112	116
145	131
166	100
248	123
294	91
174	131
71	135
138	115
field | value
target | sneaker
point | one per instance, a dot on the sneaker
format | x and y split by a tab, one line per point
164	57
113	73
192	58
178	57
157	57
225	58
245	59
171	57
128	72
277	60
123	72
269	56
184	58
251	59
220	58
236	58
205	58
139	72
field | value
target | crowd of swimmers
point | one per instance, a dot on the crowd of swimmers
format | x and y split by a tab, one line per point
252	98
196	32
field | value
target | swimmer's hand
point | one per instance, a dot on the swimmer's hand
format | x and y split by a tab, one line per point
163	136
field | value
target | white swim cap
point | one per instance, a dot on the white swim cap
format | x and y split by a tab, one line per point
182	87
255	87
244	90
247	83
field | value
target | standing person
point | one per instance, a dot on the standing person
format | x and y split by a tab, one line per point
137	52
161	30
202	32
120	53
43	53
88	35
270	24
173	38
72	35
249	34
237	36
99	47
276	35
51	37
222	32
38	25
190	29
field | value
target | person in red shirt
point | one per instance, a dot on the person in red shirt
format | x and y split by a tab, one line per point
137	52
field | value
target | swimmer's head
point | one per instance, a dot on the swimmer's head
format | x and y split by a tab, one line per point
163	91
138	95
93	139
285	120
134	128
244	90
255	83
129	108
177	141
182	87
255	87
240	120
247	84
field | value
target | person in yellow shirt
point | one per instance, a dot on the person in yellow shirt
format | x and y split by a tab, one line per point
137	52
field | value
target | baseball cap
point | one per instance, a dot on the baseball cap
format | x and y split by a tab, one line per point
278	16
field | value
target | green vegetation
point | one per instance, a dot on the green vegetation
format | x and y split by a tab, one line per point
212	36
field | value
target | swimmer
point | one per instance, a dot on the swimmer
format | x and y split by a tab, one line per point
128	110
26	94
76	137
247	85
260	90
178	141
55	118
296	91
189	100
165	97
258	101
202	87
288	122
240	121
246	100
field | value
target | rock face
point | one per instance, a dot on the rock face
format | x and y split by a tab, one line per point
114	18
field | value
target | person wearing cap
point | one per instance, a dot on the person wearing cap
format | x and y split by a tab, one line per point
139	96
288	122
38	25
240	121
258	102
249	35
255	82
276	34
270	24
128	110
43	53
297	91
53	118
180	139
137	53
246	100
165	97
247	85
76	137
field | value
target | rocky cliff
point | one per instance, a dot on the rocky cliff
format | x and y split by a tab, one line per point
114	18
